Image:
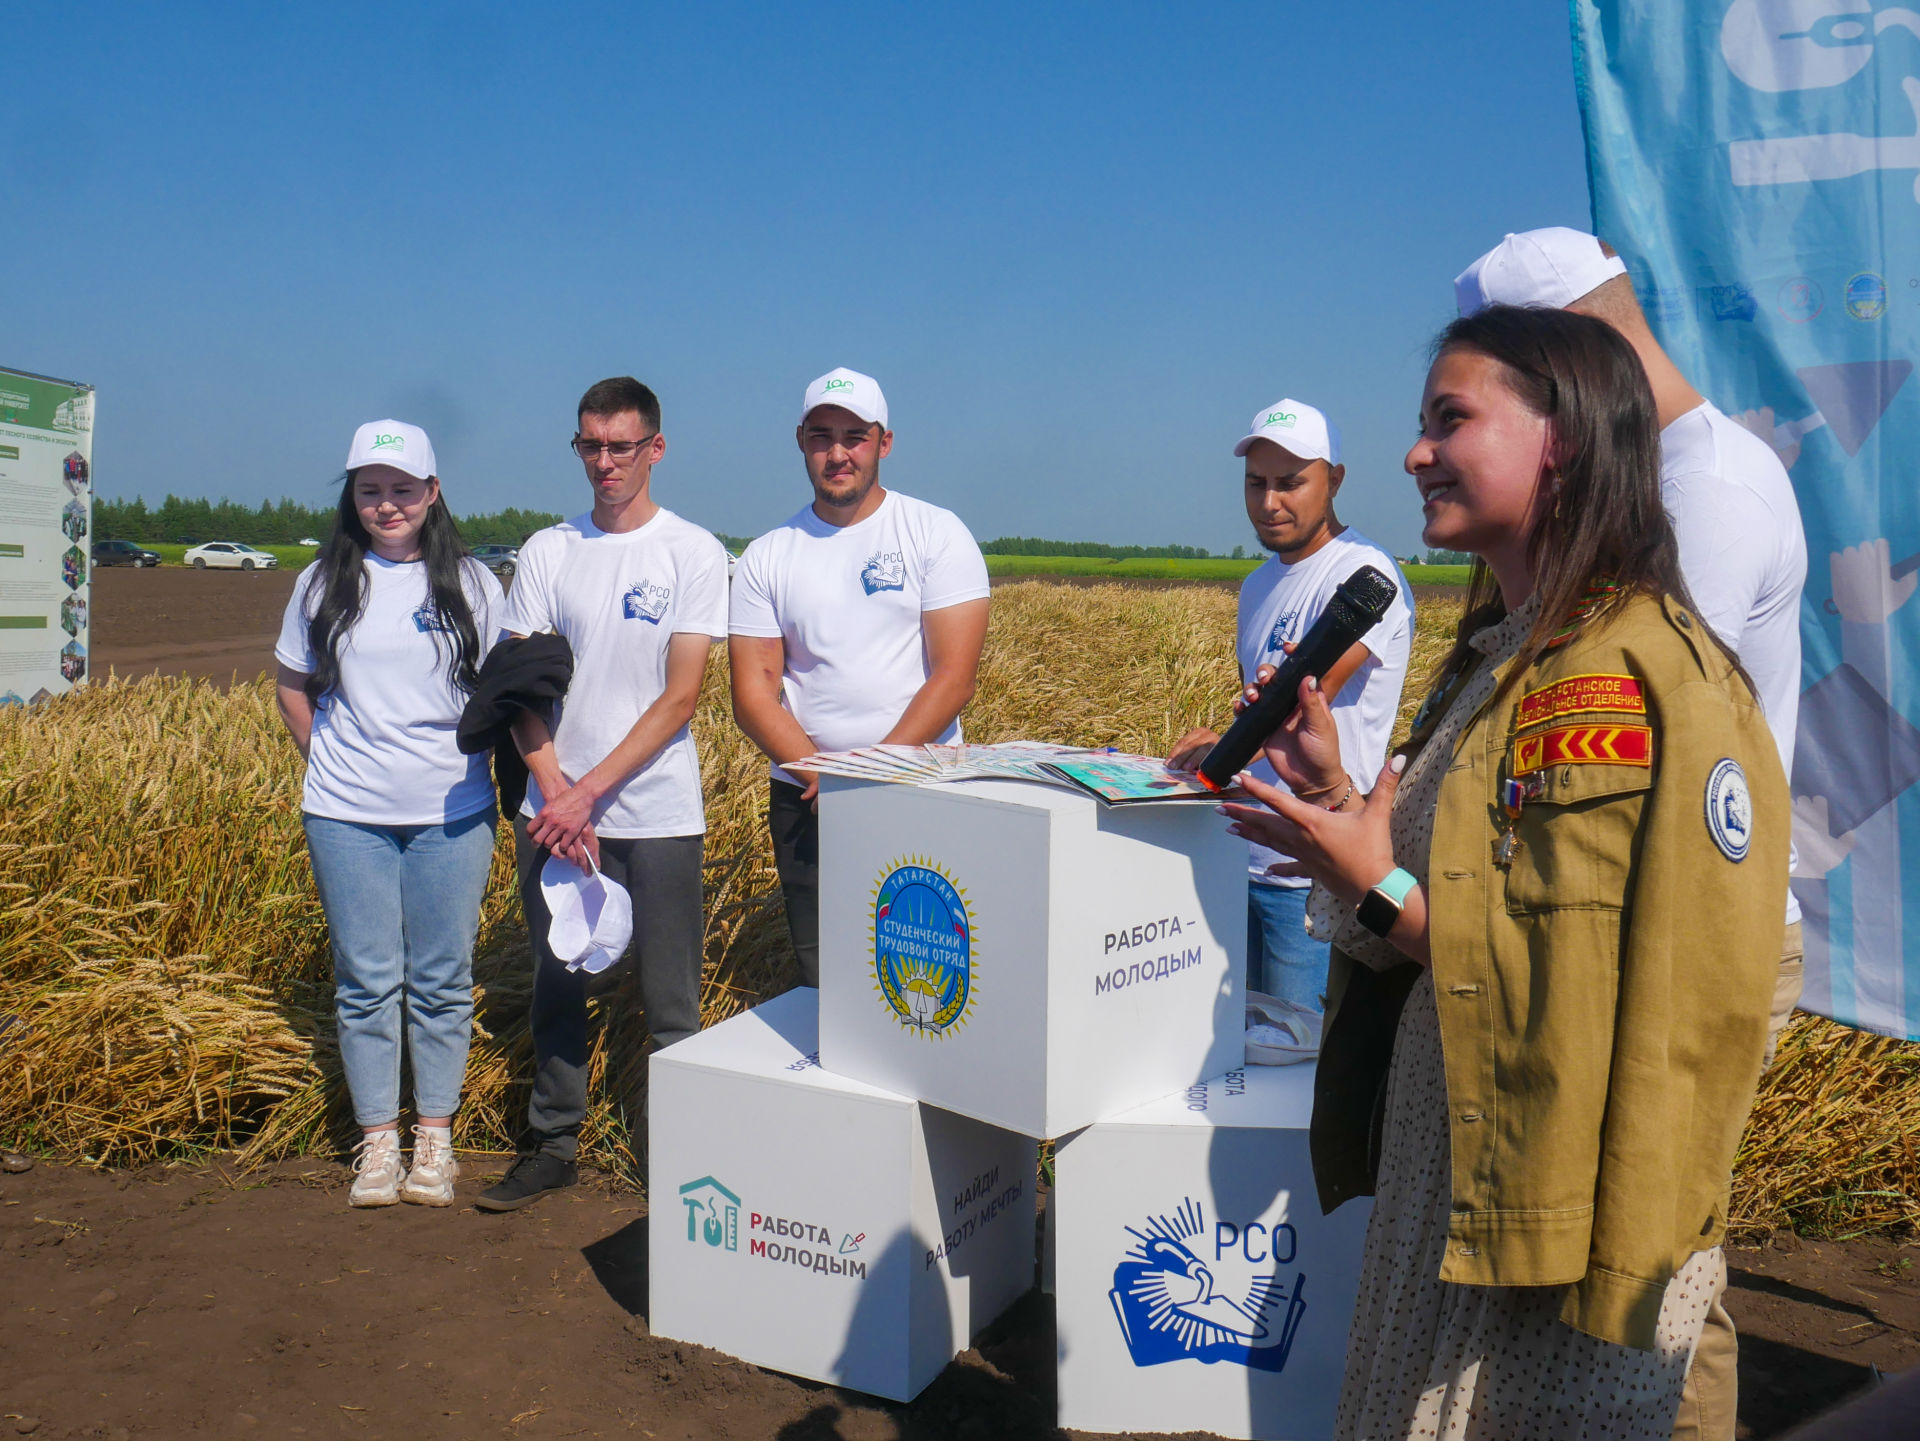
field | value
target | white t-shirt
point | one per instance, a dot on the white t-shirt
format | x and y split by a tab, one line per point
383	749
1279	603
1744	555
847	601
619	599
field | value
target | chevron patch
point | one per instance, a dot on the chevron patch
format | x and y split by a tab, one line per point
1580	695
1583	745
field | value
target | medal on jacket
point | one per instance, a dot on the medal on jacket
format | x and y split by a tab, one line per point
1514	794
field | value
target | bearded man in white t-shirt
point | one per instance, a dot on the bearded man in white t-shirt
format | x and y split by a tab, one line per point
1293	473
641	595
1743	553
857	622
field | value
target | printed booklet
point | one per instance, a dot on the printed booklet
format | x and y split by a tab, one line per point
1111	777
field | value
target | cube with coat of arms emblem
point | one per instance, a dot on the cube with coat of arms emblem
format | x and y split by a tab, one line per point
820	1226
1021	954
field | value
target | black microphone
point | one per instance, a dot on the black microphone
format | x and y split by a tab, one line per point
1356	608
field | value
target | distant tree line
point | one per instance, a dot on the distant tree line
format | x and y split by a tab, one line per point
283	522
287	522
1027	545
1448	557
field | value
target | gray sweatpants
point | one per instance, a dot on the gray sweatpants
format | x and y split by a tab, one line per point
662	875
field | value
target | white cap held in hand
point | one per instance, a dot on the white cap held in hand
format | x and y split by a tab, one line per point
850	390
395	443
1297	428
592	917
1551	268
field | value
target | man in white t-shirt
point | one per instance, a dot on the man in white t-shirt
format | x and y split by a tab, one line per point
857	622
1293	473
1742	548
1743	553
640	595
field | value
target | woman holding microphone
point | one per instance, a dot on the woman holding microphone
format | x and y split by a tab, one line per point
1554	923
381	643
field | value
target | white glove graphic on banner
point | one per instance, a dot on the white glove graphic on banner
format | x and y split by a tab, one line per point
1867	586
1816	850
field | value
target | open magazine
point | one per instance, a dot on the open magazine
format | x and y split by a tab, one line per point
1111	777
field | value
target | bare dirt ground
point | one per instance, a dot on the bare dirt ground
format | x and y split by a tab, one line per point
182	1301
185	1300
214	624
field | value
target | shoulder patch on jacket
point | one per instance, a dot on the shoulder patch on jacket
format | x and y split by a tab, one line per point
1730	809
1589	745
1580	695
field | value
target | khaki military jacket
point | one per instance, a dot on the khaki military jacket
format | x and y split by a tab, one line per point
1602	981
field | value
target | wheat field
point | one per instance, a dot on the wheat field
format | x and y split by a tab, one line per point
165	988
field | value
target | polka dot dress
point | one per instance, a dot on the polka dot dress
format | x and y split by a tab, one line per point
1431	1359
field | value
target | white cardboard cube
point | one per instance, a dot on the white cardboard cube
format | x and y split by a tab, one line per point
820	1226
1197	1286
1022	954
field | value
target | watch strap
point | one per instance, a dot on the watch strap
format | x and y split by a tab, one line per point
1397	885
1380	907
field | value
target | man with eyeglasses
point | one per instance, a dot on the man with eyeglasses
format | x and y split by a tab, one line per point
640	595
858	622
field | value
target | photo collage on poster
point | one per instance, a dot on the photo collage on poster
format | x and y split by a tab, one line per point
46	522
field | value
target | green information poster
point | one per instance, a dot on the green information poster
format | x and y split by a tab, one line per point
46	516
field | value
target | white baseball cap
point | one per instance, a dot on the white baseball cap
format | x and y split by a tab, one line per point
1551	268
592	917
395	443
850	390
1297	428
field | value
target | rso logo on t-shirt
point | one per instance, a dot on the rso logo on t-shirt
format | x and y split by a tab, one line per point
426	619
885	570
646	601
1282	632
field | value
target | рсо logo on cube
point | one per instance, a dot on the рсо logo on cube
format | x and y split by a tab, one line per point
1173	1305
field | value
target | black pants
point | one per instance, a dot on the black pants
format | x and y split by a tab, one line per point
662	875
796	855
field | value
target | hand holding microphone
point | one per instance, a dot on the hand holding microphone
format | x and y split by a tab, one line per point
1357	606
1305	751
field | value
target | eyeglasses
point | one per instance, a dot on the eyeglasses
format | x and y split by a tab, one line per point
615	449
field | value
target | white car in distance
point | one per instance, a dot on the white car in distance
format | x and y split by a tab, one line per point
230	555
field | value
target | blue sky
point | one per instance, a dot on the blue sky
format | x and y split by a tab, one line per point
1079	245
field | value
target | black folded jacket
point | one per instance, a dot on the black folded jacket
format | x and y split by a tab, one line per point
519	674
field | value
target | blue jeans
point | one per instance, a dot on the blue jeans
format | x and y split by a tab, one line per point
402	904
1282	959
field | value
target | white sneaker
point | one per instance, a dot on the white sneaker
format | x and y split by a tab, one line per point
1279	1033
430	1182
377	1170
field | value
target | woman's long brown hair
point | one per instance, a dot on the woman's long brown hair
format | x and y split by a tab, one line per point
1605	523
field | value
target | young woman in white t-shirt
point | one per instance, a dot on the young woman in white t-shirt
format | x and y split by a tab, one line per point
378	651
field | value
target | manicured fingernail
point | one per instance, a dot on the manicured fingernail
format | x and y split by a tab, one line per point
1234	830
1220	811
1313	683
1397	764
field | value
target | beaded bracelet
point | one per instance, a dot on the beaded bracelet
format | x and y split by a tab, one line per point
1337	805
1341	804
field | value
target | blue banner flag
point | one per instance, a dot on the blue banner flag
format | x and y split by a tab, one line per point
1757	164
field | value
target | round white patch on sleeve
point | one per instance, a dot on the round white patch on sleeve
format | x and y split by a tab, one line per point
1729	809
